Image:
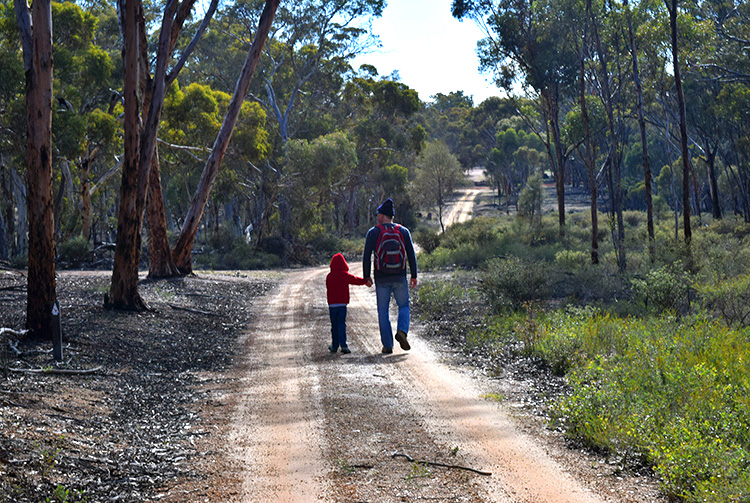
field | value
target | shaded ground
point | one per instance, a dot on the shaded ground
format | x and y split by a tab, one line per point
139	429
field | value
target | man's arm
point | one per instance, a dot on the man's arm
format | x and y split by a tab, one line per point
370	241
410	255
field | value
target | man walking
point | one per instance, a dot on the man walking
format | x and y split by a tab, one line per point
392	246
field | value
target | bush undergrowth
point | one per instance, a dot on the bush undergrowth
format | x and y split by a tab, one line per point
655	357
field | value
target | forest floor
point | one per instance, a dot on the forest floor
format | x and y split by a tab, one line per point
226	392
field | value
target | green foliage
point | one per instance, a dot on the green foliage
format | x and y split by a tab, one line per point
443	299
74	252
428	240
730	298
438	174
664	289
507	283
63	495
226	251
530	201
662	392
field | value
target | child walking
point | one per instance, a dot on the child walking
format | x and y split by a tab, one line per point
337	286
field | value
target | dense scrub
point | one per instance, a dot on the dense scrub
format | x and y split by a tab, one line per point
654	359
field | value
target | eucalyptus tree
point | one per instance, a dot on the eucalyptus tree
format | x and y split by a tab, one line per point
35	29
192	119
183	248
733	106
438	174
708	135
480	128
640	113
306	37
84	122
381	114
12	139
528	42
143	105
515	156
445	117
727	59
610	83
672	7
319	175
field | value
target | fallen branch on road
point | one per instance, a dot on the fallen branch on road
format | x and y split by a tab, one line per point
433	463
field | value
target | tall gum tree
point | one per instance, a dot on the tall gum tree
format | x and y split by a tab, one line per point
527	42
146	92
183	249
35	28
672	7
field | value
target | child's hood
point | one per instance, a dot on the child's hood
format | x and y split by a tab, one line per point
338	263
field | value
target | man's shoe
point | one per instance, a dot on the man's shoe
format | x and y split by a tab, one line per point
332	349
401	338
387	350
346	350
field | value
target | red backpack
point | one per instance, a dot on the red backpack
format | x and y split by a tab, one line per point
390	250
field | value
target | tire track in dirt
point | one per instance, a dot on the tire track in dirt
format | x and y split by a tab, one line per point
451	406
277	424
315	426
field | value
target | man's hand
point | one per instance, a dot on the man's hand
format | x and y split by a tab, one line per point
413	282
369	282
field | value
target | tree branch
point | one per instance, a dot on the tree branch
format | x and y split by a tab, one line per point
433	463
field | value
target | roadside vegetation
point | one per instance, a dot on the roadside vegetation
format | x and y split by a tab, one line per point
654	359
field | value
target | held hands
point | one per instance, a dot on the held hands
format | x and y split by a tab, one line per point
369	282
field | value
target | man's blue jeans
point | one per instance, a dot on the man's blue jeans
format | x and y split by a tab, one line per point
400	291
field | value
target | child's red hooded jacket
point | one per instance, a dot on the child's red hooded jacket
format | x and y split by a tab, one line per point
338	281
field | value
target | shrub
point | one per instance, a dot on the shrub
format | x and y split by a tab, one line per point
508	283
572	260
729	298
589	283
443	299
325	244
664	393
74	252
664	289
427	239
241	256
634	219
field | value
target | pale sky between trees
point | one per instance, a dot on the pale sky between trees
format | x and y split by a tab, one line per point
432	51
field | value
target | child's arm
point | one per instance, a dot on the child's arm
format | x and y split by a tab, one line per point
356	280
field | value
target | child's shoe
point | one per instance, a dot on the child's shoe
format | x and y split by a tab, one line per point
345	350
332	349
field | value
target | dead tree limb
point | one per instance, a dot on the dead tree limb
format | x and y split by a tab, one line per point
433	463
190	310
57	371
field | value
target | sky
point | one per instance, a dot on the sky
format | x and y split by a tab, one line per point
432	51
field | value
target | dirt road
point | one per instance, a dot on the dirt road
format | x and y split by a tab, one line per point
314	426
463	208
